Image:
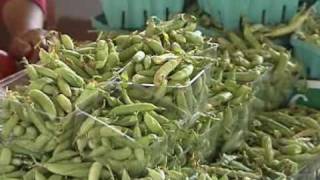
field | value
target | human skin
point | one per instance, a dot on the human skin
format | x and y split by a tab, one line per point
24	27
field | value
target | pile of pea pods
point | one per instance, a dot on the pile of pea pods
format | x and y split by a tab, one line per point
310	31
164	103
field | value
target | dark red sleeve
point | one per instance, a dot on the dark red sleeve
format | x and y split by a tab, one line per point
42	4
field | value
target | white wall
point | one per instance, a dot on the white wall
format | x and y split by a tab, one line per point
80	9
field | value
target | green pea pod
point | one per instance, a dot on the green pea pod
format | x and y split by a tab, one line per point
39	176
100	151
44	101
148	73
283	61
152	124
6	169
67	41
309	122
32	72
31	132
161	119
110	131
123	41
86	126
136	38
179	38
18	131
71	77
237	41
128	53
50	90
138	57
138	67
81	144
194	37
64	87
125	175
102	51
182	101
137	131
113	61
175	47
160	91
95	171
198	86
86	49
294	24
46	72
147	62
41	141
228	120
220	98
127	121
156	46
233	142
90	70
9	125
64	103
45	56
291	149
132	108
120	154
5	156
161	59
79	170
14	175
268	150
249	76
276	126
87	97
140	79
250	38
64	155
50	146
165	70
155	174
183	73
79	70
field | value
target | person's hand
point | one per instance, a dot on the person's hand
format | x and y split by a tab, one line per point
24	44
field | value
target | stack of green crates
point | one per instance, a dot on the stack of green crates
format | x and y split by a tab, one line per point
132	14
230	12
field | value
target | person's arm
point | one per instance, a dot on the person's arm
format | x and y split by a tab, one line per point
24	20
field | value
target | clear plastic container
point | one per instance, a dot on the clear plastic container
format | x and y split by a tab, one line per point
83	132
10	82
311	171
179	102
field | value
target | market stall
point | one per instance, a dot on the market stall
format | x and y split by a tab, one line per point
170	101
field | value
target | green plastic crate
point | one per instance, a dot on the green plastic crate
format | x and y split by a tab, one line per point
132	14
309	55
230	12
309	97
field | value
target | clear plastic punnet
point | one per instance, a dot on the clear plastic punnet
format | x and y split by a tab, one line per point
101	128
180	101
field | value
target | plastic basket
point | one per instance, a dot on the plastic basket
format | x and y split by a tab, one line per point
310	172
196	100
230	12
122	138
309	55
128	14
